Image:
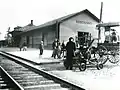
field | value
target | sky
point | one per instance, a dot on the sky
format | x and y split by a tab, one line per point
20	12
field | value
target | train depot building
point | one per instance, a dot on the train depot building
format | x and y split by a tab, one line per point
75	25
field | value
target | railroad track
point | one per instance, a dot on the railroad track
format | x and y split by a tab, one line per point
7	82
33	78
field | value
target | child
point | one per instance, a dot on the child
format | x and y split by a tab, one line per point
24	46
41	47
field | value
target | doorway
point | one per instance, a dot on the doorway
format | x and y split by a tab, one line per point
44	38
83	38
27	40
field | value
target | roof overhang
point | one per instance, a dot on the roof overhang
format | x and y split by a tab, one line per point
111	24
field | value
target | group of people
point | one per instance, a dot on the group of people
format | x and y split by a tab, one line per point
111	38
70	49
58	49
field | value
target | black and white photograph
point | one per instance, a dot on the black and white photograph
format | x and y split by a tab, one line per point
59	44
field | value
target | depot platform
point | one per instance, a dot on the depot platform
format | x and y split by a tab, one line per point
32	55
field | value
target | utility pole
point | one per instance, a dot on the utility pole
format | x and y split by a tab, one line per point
0	35
101	10
57	30
99	31
0	40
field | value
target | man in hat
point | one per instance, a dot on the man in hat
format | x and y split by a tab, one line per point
41	47
70	48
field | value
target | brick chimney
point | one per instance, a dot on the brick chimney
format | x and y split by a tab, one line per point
31	22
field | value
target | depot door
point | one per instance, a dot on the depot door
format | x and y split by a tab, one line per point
83	37
44	38
27	40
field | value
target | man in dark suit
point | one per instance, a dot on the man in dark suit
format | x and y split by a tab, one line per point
55	46
70	48
41	48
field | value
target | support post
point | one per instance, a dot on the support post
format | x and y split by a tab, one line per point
57	30
99	32
32	41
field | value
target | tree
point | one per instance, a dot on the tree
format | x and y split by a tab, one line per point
8	37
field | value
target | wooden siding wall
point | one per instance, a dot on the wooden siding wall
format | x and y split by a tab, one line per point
46	34
82	23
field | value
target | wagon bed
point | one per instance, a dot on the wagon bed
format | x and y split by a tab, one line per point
111	46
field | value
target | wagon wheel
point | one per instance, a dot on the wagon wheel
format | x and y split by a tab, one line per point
100	54
99	66
114	57
81	65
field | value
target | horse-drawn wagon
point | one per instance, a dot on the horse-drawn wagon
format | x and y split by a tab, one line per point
98	56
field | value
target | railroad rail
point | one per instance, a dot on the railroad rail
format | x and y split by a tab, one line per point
7	82
33	78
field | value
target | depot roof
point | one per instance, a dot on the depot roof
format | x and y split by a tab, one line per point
59	20
110	24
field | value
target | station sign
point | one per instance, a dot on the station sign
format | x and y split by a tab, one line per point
83	22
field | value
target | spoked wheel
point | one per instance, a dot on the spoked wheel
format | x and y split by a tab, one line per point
102	54
114	57
82	66
99	66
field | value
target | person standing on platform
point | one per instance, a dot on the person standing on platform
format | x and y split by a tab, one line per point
54	46
63	48
59	50
41	48
77	45
24	46
70	48
20	46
